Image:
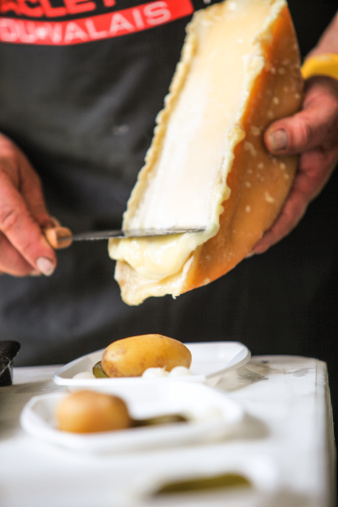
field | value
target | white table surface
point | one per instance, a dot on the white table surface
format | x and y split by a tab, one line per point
289	426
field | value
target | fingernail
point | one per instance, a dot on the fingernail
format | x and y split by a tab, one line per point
45	266
279	140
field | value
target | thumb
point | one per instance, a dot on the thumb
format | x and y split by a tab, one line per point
301	132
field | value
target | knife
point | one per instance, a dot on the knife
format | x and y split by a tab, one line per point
62	237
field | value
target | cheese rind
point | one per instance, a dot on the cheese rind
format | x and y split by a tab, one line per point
207	165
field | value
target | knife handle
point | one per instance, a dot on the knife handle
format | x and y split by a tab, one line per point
58	237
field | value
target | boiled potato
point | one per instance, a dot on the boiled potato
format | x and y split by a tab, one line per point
130	357
89	412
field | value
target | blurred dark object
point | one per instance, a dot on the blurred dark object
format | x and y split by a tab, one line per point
8	351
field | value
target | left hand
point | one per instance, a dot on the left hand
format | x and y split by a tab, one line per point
312	133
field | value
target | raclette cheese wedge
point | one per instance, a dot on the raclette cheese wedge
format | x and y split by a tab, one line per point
207	165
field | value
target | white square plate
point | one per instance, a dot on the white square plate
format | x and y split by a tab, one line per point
210	361
212	415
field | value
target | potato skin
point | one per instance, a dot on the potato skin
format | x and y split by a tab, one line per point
90	412
130	357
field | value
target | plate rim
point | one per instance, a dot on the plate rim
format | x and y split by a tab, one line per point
104	382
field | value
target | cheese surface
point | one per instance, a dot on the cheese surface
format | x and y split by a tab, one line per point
184	182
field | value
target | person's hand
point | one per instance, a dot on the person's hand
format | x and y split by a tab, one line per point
312	133
23	214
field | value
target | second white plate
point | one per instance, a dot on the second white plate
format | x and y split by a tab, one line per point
210	361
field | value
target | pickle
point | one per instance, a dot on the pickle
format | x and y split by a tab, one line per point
160	419
216	482
98	371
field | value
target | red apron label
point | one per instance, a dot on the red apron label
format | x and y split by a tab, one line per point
85	29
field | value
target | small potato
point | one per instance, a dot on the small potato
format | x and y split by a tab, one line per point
130	357
90	412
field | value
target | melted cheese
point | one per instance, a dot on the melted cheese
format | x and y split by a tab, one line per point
184	180
157	258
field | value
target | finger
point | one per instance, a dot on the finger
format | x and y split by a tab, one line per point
296	134
11	262
23	175
22	230
312	127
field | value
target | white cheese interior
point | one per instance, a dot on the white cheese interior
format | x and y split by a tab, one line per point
183	183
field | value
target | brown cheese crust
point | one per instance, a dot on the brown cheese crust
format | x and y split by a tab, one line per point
259	182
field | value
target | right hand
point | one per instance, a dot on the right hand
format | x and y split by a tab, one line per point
23	214
312	133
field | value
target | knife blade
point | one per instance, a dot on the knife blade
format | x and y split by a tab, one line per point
62	237
119	233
